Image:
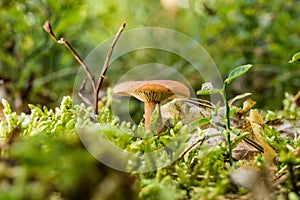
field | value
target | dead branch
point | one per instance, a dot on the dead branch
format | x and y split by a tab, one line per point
105	66
47	27
95	86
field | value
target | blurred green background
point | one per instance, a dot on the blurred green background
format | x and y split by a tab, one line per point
34	69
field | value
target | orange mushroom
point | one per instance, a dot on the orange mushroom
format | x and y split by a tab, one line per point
152	92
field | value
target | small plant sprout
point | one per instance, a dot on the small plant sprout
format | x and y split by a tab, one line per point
296	57
235	73
152	92
96	85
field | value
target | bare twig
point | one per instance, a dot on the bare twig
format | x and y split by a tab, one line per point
105	66
47	27
198	142
78	58
95	86
254	144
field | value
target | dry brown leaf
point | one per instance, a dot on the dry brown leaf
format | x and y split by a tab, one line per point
248	148
255	117
247	105
253	143
239	117
256	124
244	151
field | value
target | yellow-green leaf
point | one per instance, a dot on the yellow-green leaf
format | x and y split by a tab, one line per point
296	57
237	72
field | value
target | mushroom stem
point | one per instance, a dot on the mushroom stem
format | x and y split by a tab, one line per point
149	107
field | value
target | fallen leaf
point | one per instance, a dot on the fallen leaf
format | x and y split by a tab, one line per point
244	151
256	124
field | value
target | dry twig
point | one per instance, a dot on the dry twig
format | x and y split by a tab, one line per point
96	86
105	66
47	27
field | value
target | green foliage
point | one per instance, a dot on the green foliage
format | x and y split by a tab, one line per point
238	138
200	121
42	156
237	72
167	188
202	175
44	162
233	74
49	160
25	44
209	92
296	57
290	112
39	71
252	32
290	109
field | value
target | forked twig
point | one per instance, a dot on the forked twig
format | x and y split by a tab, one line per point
96	86
47	27
105	66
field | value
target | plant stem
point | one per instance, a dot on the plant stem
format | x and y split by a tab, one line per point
95	85
47	27
227	110
228	129
105	66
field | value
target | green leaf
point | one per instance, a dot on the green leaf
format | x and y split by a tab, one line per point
237	72
209	92
296	57
232	111
239	138
200	121
6	107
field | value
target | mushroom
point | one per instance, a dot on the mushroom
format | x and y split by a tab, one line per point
152	92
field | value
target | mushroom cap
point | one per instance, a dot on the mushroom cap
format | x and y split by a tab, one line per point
152	90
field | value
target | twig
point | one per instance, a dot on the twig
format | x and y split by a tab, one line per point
95	86
198	142
47	27
105	66
254	144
